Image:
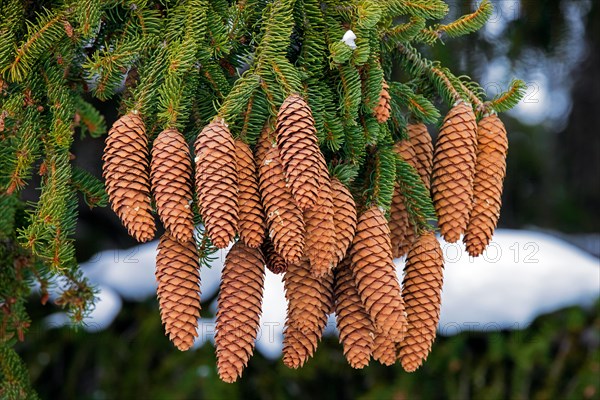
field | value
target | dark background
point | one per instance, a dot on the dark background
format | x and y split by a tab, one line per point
552	184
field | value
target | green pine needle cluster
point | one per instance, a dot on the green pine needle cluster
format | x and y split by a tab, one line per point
181	63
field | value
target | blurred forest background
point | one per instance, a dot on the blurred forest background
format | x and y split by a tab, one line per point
552	184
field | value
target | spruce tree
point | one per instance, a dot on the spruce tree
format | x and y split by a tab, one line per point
328	87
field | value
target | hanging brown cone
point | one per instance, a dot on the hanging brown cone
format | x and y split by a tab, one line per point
299	149
400	226
401	234
126	171
344	219
409	240
375	274
384	349
284	218
423	278
353	322
178	290
309	302
171	176
275	263
251	224
487	187
320	232
383	109
217	182
453	170
239	309
421	142
266	141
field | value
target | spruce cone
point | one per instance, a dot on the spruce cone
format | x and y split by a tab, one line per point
375	275
383	108
423	278
401	230
344	219
217	182
309	302
487	187
409	240
453	169
320	232
266	141
284	218
421	142
302	159
353	322
275	263
251	222
178	290
384	349
171	175
125	170
239	309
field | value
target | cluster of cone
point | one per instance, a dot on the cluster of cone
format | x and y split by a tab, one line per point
292	217
469	165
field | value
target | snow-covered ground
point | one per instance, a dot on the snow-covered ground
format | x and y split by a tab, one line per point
521	275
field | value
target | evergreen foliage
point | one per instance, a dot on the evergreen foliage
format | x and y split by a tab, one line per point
178	64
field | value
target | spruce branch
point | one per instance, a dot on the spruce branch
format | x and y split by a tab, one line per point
143	97
509	99
271	62
372	84
10	26
8	206
368	14
88	14
417	104
22	150
451	88
428	9
92	188
380	182
403	32
344	172
440	77
239	97
463	26
89	119
46	32
349	91
254	117
354	144
416	196
15	383
174	96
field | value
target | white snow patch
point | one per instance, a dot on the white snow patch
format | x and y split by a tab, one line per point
349	38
